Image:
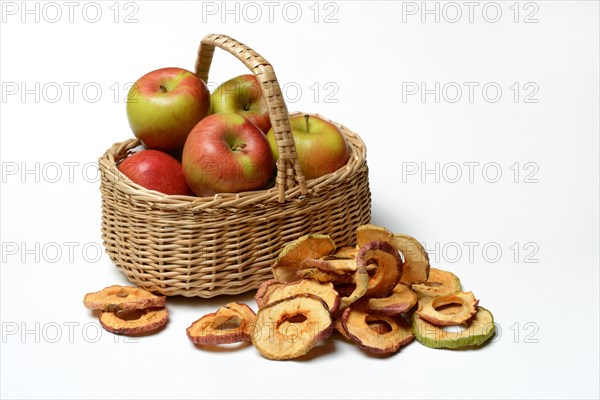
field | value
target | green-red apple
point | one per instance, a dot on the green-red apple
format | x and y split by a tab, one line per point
164	105
226	153
156	170
244	96
321	146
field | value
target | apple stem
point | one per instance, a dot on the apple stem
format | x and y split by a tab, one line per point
306	117
238	146
163	89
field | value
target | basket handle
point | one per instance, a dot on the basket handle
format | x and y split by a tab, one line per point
289	173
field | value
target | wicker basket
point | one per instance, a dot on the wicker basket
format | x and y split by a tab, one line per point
226	244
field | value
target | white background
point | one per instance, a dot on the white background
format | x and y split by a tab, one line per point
526	243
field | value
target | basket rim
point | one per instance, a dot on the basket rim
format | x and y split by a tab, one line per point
112	176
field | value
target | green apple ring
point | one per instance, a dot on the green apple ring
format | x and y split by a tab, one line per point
477	331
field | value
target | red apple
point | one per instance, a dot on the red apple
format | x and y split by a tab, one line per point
321	146
244	96
156	170
164	105
226	153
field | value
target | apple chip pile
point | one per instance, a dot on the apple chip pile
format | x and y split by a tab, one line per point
128	310
367	293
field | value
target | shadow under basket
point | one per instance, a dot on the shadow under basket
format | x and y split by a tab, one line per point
226	244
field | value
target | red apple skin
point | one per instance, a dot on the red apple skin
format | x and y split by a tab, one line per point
244	96
226	153
164	105
155	170
321	150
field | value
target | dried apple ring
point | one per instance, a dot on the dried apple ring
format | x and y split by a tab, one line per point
325	291
428	308
116	298
341	266
476	332
332	264
245	312
308	246
133	322
400	301
389	267
265	289
375	333
291	327
380	327
369	233
416	260
337	325
319	275
439	283
231	323
346	252
361	285
346	289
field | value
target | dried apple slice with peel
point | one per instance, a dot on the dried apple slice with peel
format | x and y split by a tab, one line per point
337	325
380	327
265	289
346	289
439	283
117	298
361	285
416	260
476	332
325	291
400	301
231	323
370	233
293	253
133	322
466	300
375	333
346	252
389	267
291	327
322	276
247	313
339	266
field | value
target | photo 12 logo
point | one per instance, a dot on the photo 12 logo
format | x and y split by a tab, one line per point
50	172
58	332
53	12
64	92
326	92
270	11
469	172
51	252
470	92
453	12
483	252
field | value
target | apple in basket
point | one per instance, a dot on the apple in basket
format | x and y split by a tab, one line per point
164	105
321	146
156	170
244	96
226	153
